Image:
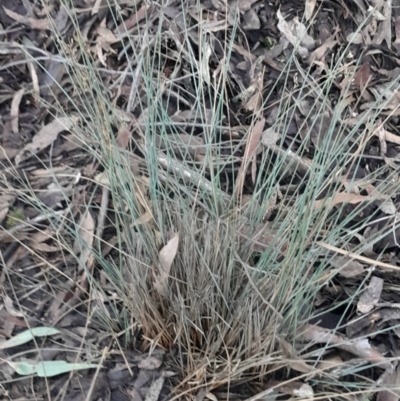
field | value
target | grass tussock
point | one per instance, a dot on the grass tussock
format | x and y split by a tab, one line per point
253	255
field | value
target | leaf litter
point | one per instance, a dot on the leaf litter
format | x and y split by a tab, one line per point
341	87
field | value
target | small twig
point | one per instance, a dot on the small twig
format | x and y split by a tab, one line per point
192	176
99	366
358	257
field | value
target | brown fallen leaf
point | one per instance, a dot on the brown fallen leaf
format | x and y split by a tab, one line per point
45	137
371	296
166	257
31	22
363	76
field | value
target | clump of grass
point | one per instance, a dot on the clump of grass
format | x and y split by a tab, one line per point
239	286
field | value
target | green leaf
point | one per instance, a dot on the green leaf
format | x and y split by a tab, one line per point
54	368
48	368
28	335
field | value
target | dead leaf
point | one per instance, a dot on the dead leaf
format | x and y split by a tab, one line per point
384	31
45	137
396	43
132	21
363	76
301	33
342	197
360	347
106	34
166	257
15	109
251	20
123	138
245	5
289	33
270	137
388	207
250	151
297	389
8	303
309	9
31	22
84	242
155	389
371	296
390	379
346	266
331	362
150	363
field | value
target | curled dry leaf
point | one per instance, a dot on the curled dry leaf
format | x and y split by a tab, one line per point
371	296
45	137
166	257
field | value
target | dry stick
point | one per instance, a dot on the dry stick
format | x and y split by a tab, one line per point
99	366
192	176
292	158
358	257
